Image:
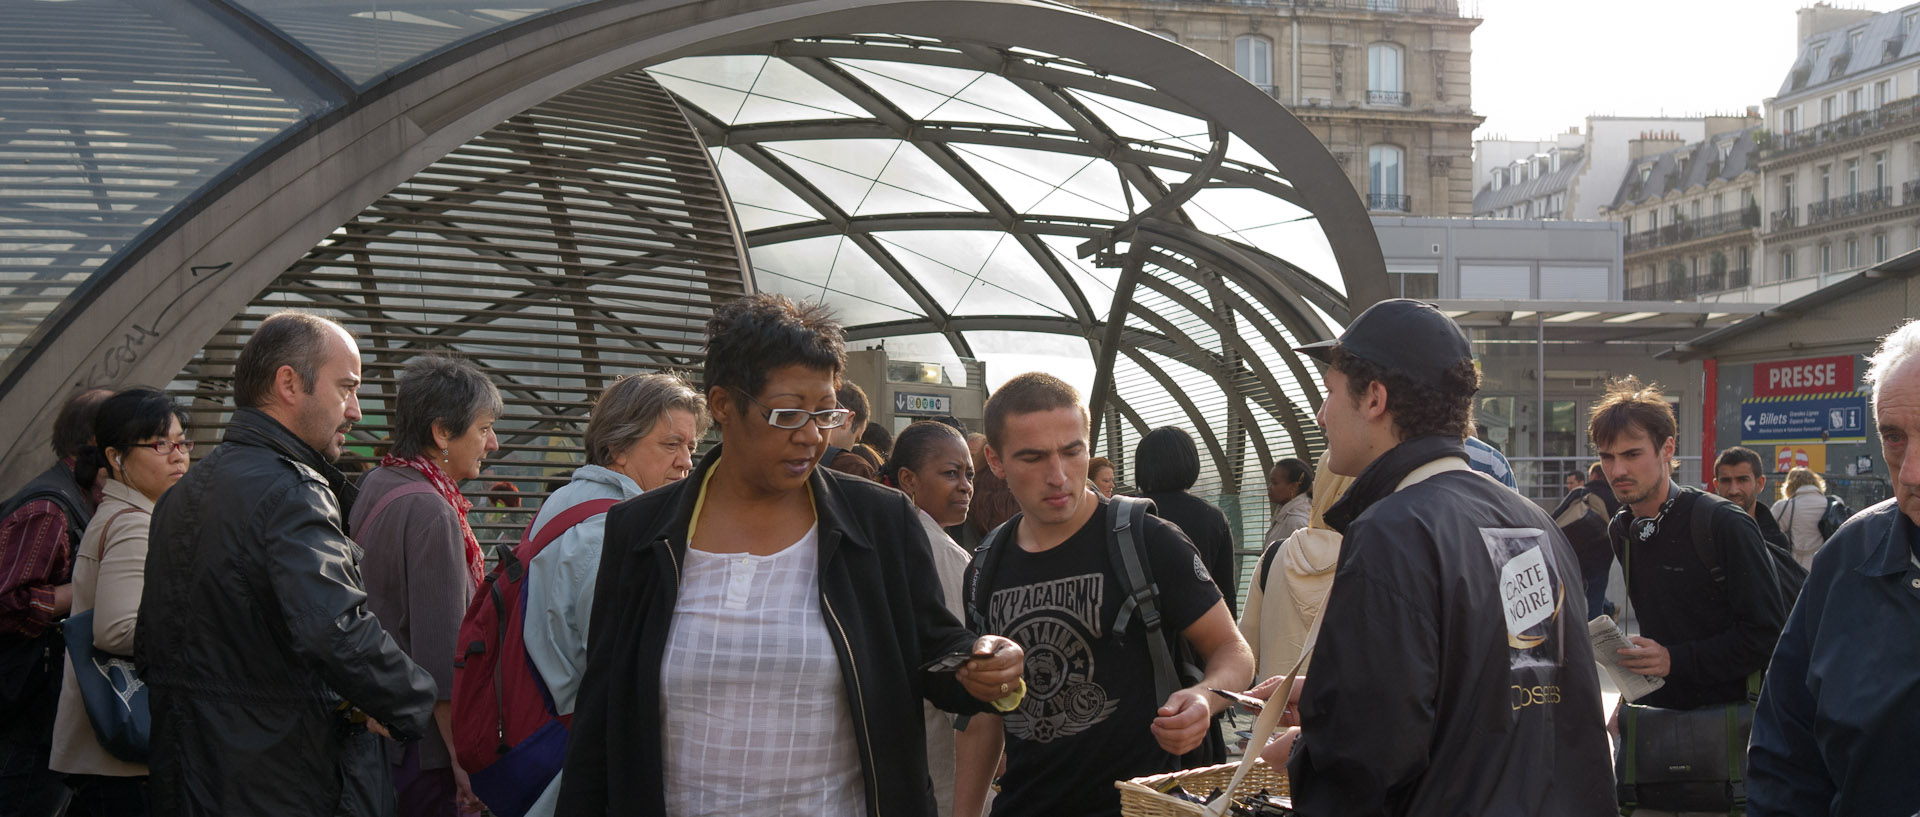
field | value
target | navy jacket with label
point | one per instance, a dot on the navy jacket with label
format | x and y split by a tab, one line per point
1421	700
1837	728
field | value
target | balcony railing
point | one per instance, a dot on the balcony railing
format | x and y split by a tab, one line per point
1865	201
1400	98
1397	204
1690	286
1785	219
1891	115
1910	192
1691	229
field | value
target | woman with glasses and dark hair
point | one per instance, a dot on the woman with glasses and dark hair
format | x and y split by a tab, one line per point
423	561
763	632
139	441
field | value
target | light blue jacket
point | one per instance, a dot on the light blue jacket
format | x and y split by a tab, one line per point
560	594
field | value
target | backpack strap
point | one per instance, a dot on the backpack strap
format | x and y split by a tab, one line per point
406	489
1266	562
1700	530
514	560
986	560
1126	520
101	553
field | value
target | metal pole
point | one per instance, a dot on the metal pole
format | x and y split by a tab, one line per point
1540	391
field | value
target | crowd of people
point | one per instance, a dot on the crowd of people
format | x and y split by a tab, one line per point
817	616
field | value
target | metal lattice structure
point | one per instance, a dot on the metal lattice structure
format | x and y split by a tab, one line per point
584	239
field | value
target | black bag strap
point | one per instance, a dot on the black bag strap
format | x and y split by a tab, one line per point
1126	521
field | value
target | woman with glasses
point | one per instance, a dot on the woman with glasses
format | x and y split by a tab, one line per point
765	630
422	560
140	442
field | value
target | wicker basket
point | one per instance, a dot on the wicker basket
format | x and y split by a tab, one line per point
1141	797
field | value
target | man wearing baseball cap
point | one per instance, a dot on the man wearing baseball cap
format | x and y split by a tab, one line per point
1453	673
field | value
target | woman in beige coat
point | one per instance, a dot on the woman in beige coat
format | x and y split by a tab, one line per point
1292	582
140	442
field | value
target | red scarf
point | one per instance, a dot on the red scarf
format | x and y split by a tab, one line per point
476	563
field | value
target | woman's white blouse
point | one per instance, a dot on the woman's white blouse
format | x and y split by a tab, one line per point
755	713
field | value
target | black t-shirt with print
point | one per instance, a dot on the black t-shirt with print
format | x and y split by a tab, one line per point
1088	714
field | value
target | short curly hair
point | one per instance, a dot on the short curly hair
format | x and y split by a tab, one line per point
1418	408
752	336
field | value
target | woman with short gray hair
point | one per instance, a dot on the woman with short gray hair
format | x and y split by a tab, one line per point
642	435
422	561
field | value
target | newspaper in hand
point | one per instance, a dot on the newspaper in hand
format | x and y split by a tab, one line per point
1608	639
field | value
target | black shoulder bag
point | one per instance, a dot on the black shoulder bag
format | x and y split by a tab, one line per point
1684	759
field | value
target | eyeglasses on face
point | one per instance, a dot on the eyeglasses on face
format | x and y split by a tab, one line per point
789	419
165	447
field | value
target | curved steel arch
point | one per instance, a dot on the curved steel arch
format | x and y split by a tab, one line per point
161	299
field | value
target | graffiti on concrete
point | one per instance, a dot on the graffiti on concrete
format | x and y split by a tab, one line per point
120	358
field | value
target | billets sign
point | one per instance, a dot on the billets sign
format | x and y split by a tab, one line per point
923	405
1813	418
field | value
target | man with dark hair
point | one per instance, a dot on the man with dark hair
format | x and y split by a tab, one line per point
1737	476
39	527
841	455
1709	611
270	679
1452	673
1055	580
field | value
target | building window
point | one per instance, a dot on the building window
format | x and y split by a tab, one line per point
1719	204
1826	258
1853	177
1853	41
1882	91
1853	101
1790	119
1694	209
1853	253
1826	108
1786	264
1879	171
1746	258
1253	60
1626	224
1786	192
1653	219
1879	247
1906	23
1383	75
1826	182
1385	181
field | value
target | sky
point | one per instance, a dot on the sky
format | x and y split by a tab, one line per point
1541	66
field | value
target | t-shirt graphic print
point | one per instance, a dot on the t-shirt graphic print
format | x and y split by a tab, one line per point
1054	621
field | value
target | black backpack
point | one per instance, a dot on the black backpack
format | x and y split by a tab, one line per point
1788	575
1174	664
1837	514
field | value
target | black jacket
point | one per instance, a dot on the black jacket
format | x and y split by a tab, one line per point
1770	527
1716	632
253	632
1422	699
1206	525
884	612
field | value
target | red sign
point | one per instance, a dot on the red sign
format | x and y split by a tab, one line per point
1820	375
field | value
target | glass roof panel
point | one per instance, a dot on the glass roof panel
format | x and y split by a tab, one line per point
111	115
874	176
1303	244
1145	122
928	92
744	89
976	272
1011	353
366	39
1096	283
1045	182
759	201
834	270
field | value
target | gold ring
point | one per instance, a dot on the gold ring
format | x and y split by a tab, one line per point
1003	688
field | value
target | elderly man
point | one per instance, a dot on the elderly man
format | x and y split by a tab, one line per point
1834	732
254	632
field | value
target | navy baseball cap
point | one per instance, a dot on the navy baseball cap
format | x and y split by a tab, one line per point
1403	336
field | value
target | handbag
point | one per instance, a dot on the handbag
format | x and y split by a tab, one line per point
110	686
1683	759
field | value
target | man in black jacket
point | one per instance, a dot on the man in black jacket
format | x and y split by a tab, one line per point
1453	674
1582	515
269	676
1704	635
1738	479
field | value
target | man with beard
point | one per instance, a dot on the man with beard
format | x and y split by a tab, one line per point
270	678
1737	478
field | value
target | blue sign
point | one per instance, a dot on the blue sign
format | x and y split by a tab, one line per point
926	405
1812	418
